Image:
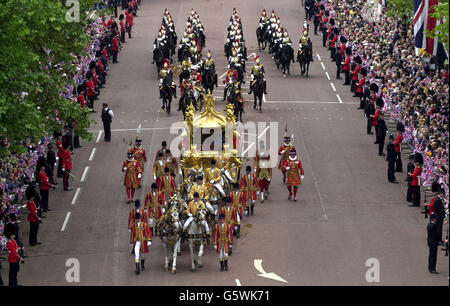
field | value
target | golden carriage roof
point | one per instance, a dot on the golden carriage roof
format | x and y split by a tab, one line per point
209	118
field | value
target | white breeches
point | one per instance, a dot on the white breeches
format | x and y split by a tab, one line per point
222	254
137	252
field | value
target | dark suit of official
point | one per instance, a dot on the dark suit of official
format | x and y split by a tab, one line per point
382	129
439	210
51	161
391	161
433	243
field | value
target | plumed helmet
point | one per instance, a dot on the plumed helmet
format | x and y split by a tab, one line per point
400	127
322	7
374	87
380	102
418	158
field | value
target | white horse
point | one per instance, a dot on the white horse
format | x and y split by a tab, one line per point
169	231
197	234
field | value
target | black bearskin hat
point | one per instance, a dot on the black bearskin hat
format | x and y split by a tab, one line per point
29	192
348	51
80	88
343	40
374	87
332	21
364	71
358	59
336	31
400	127
435	186
418	158
9	230
322	7
380	102
92	65
98	54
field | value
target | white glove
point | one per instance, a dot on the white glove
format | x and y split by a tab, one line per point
268	179
287	168
190	215
211	181
215	247
139	176
131	244
282	152
302	177
149	243
124	168
254	170
129	229
154	177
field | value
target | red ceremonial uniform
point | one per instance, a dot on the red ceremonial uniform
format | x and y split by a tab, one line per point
231	215
356	72
375	117
249	186
115	44
294	172
13	249
398	142
263	171
132	217
333	42
129	19
32	215
431	206
238	201
346	65
122	26
81	100
416	176
140	232
184	84
230	74
131	169
158	170
285	154
139	155
168	187
67	160
90	88
223	237
154	202
343	50
361	83
44	182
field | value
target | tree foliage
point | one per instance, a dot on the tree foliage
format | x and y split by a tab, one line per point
441	11
400	8
35	37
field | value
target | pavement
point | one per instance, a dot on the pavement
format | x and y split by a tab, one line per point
347	214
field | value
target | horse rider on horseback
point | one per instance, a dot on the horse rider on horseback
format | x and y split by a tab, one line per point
257	68
231	73
209	63
160	42
195	52
304	42
263	20
186	66
166	72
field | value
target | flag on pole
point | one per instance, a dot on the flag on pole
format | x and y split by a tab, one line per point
423	23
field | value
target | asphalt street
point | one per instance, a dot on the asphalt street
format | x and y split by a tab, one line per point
346	212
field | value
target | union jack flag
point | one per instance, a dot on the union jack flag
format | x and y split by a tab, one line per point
423	22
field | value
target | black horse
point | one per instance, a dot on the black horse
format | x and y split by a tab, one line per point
159	57
183	53
238	102
258	90
261	36
303	58
186	99
171	44
209	79
286	56
167	91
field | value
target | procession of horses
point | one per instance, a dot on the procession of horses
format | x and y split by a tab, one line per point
211	190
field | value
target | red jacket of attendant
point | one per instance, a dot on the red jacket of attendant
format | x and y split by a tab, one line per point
346	65
13	249
45	184
356	72
81	100
416	176
67	160
375	117
398	142
90	88
105	53
32	215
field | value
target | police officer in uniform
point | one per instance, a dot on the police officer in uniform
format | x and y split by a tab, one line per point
107	115
433	243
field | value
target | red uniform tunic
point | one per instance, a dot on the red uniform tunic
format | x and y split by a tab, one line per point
294	172
132	217
346	65
32	215
416	176
398	142
158	170
90	88
238	201
231	215
184	84
431	205
81	100
343	50
223	237
140	232
154	203
229	76
45	184
375	117
139	155
168	187
122	26
115	44
361	83
333	42
131	169
356	72
67	160
285	154
129	19
249	186
13	249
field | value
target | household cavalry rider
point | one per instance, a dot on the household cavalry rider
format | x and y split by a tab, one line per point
209	62
166	72
263	20
257	68
236	62
305	41
231	74
186	65
195	52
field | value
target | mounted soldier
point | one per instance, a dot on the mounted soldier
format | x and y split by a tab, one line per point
229	82
209	75
262	30
258	82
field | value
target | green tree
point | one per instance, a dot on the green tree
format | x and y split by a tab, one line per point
35	36
400	8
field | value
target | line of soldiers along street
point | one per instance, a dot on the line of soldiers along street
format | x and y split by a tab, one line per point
207	198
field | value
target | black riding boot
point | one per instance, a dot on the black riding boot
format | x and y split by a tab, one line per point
138	268
238	231
265	88
222	266
252	207
225	263
142	264
251	90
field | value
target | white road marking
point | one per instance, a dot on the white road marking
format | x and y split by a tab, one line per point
76	195
332	86
340	101
223	75
258	266
238	283
328	76
92	154
323	67
99	135
318	56
308	102
65	221
84	174
142	129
